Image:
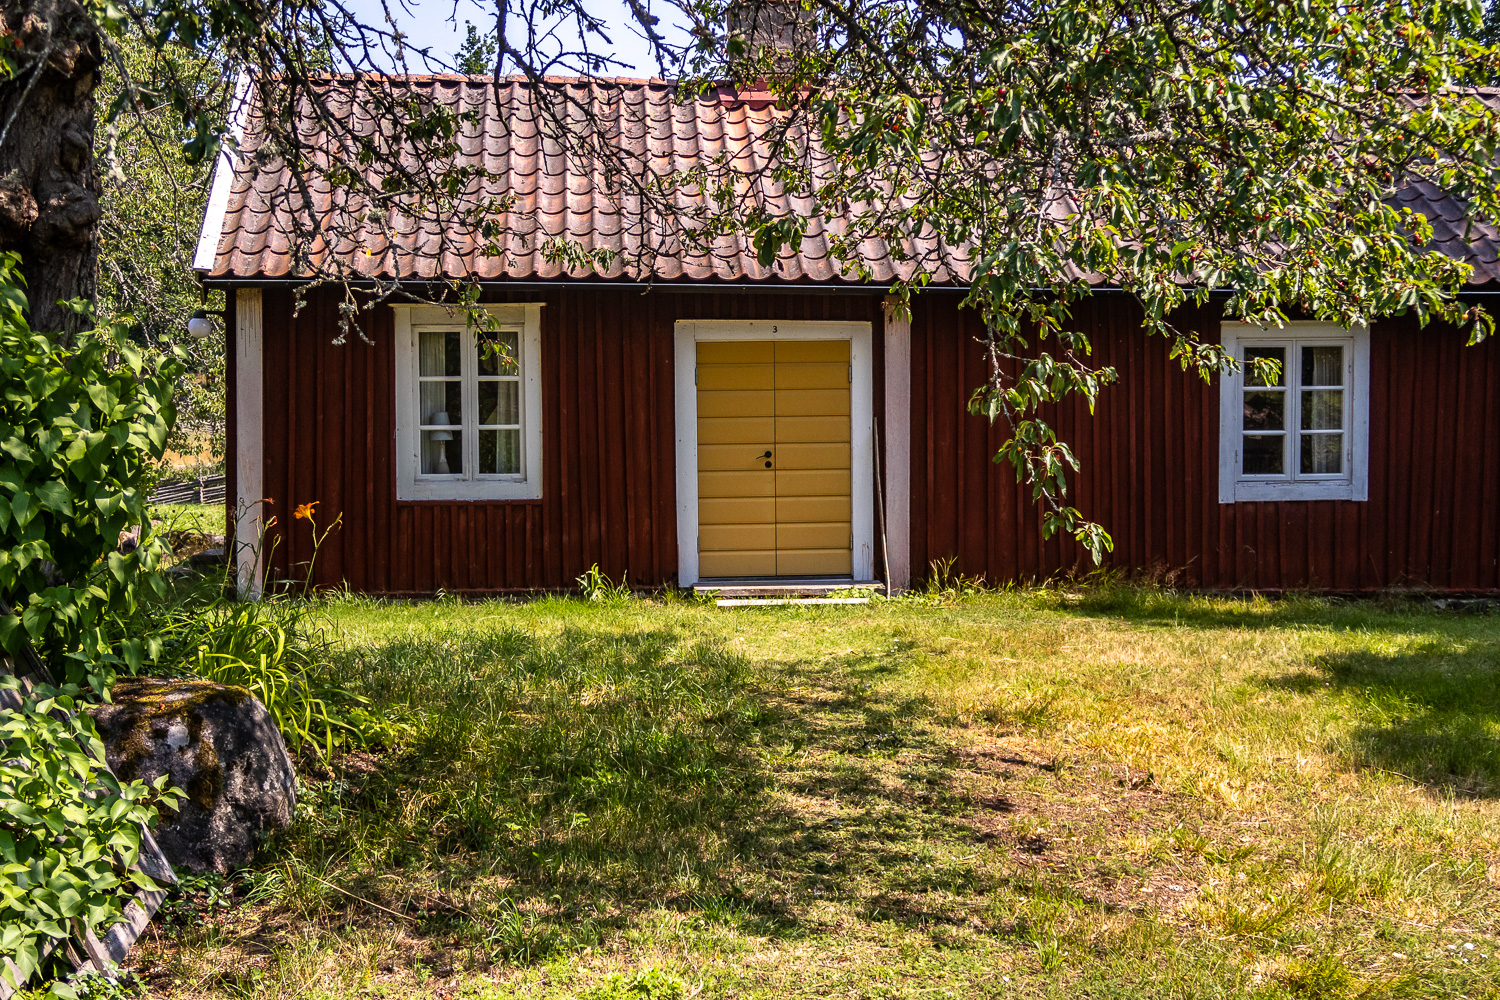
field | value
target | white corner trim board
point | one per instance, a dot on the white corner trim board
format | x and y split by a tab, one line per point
249	446
896	462
224	166
861	359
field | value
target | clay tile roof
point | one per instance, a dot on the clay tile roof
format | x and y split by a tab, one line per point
539	189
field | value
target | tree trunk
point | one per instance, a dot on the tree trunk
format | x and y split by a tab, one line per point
49	183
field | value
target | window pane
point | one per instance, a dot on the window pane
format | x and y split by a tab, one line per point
1322	366
499	452
499	402
442	453
499	353
1265	410
1264	454
1277	354
439	398
1323	410
1322	453
439	352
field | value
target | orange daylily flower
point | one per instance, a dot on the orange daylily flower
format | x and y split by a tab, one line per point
304	511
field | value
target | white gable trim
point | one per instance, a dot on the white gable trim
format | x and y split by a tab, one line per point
224	167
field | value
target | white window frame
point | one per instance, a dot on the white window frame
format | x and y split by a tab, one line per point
1353	482
411	484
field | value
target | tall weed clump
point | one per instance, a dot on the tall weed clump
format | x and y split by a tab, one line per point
279	649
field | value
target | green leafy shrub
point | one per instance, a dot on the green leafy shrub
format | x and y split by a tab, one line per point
70	832
91	986
83	420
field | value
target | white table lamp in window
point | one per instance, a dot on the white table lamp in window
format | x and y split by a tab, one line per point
442	438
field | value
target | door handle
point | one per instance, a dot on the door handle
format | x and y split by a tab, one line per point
767	457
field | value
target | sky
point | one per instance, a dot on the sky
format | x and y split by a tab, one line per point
440	25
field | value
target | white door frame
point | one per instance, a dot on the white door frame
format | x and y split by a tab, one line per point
861	458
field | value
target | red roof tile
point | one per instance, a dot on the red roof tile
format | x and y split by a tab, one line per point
541	190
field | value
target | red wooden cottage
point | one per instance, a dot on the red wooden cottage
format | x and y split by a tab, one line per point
706	418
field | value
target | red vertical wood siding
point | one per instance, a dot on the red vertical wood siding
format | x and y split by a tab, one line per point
1150	468
609	489
1149	457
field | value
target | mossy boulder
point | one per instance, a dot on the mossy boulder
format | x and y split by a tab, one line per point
216	743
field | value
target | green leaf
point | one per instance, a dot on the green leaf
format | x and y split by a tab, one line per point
17	449
48	440
21	508
35	619
69	903
21	811
54	496
133	652
109	504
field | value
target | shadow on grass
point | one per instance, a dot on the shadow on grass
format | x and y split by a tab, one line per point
549	789
1155	606
1433	711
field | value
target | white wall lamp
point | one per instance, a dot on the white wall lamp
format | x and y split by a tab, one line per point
199	325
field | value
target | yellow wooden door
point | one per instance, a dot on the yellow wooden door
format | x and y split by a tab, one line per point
773	459
736	476
812	458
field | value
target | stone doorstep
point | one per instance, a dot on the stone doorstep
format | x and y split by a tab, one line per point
783	587
746	602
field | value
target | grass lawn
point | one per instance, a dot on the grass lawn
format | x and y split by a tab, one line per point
1024	794
200	518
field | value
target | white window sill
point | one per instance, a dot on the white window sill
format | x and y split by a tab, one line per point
1274	492
473	490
